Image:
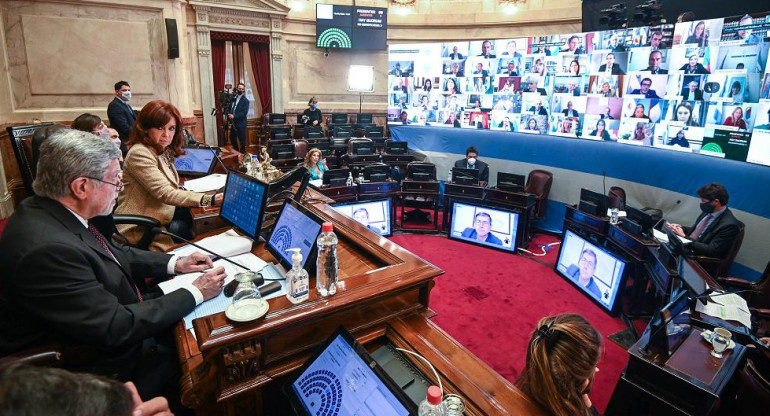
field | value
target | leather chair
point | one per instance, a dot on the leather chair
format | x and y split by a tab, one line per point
716	266
757	293
300	148
616	198
753	392
539	183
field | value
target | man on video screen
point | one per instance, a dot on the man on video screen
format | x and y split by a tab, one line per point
362	216
482	225
583	273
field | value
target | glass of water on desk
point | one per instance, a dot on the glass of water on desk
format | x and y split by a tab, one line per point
720	339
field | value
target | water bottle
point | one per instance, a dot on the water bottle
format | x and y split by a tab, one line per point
614	216
449	177
432	405
326	263
254	165
361	177
349	182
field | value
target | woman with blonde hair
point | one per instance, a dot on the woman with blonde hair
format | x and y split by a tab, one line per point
315	163
561	364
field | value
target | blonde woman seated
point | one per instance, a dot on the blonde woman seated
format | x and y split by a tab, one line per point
151	180
561	364
315	164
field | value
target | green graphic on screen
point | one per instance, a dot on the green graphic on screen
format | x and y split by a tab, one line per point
712	147
334	38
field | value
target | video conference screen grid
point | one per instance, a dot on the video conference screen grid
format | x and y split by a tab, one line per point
594	270
697	87
479	224
374	215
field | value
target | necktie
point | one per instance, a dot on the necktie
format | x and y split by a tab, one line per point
701	226
102	242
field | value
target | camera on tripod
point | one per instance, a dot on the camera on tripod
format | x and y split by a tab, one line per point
226	97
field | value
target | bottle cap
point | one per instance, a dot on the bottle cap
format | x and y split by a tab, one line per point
434	395
327	227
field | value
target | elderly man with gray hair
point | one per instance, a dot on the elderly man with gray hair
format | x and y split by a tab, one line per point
64	281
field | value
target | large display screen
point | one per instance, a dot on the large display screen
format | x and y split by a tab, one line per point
695	87
351	27
480	224
374	215
596	272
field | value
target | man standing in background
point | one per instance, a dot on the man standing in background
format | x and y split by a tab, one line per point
120	113
237	114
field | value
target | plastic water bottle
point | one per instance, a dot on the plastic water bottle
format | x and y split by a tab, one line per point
326	263
449	177
361	177
349	182
254	165
614	216
432	405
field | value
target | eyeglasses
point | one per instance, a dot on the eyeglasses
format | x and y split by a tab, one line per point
646	85
120	185
482	222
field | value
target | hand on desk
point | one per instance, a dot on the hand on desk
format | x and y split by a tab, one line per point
157	406
210	283
196	262
676	229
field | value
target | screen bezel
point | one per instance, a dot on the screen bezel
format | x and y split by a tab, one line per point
389	205
506	176
475	203
612	309
473	173
400	149
254	235
310	258
329	174
399	393
358	145
215	151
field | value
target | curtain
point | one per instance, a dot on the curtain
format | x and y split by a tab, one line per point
238	75
260	69
219	65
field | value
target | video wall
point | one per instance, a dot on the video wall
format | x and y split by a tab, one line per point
700	87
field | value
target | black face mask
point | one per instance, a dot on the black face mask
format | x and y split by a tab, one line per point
239	92
706	207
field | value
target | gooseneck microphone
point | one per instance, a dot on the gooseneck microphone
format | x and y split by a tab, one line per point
157	230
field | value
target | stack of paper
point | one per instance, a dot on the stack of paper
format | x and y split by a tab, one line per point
726	306
227	244
206	183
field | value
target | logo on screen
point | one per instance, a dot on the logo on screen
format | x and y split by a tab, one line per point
324	391
334	38
712	147
281	239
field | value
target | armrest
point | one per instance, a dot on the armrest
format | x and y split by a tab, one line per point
137	220
737	282
763	313
47	355
705	259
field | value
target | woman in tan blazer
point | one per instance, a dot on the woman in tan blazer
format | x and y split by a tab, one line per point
152	182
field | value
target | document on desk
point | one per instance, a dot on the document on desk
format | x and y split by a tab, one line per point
220	302
663	237
227	244
206	183
729	307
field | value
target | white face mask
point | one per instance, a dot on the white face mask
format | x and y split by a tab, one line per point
104	134
126	95
471	160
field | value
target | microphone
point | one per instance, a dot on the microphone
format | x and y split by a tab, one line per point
219	159
710	293
604	181
157	230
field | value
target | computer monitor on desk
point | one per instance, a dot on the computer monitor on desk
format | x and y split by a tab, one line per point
276	118
363	148
374	132
339	118
638	222
296	227
378	172
280	132
593	202
197	162
244	201
282	151
364	118
336	177
422	173
396	148
465	176
510	182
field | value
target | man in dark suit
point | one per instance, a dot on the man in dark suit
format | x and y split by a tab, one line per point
486	50
362	216
716	228
645	90
569	111
583	273
692	92
610	63
654	62
120	113
482	225
471	161
455	54
64	281
237	115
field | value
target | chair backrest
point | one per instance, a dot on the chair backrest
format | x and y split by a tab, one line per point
724	264
419	168
300	148
539	183
21	141
616	198
753	392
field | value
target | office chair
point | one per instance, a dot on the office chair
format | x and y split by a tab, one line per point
716	266
300	148
539	183
753	392
616	198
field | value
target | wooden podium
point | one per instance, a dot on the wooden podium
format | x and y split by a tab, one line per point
234	368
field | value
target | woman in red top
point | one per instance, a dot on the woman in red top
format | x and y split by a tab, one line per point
736	119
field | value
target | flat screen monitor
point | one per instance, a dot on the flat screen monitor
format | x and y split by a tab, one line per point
196	162
324	147
691	275
313	134
479	224
363	148
670	326
296	227
342	379
465	176
282	151
639	217
374	131
280	132
421	172
339	118
334	176
364	118
510	182
396	148
374	215
378	172
596	272
351	27
593	202
342	131
276	118
658	271
244	203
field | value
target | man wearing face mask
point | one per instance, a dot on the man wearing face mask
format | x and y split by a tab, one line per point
716	229
471	161
120	113
237	114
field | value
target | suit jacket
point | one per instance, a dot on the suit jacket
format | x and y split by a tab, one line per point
615	70
698	94
650	93
57	284
482	167
122	119
716	240
573	271
491	238
659	71
152	189
239	114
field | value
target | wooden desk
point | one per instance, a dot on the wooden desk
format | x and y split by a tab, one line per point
688	383
631	244
419	195
338	193
588	225
470	192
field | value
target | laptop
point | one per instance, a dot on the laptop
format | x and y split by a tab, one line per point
342	379
197	162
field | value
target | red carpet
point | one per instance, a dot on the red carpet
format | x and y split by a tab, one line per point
490	301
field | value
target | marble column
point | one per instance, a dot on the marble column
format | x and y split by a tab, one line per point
276	70
206	73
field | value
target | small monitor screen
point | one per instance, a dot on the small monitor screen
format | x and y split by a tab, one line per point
374	215
296	227
332	176
244	203
692	278
479	224
396	148
465	176
339	118
196	162
340	382
510	181
594	270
